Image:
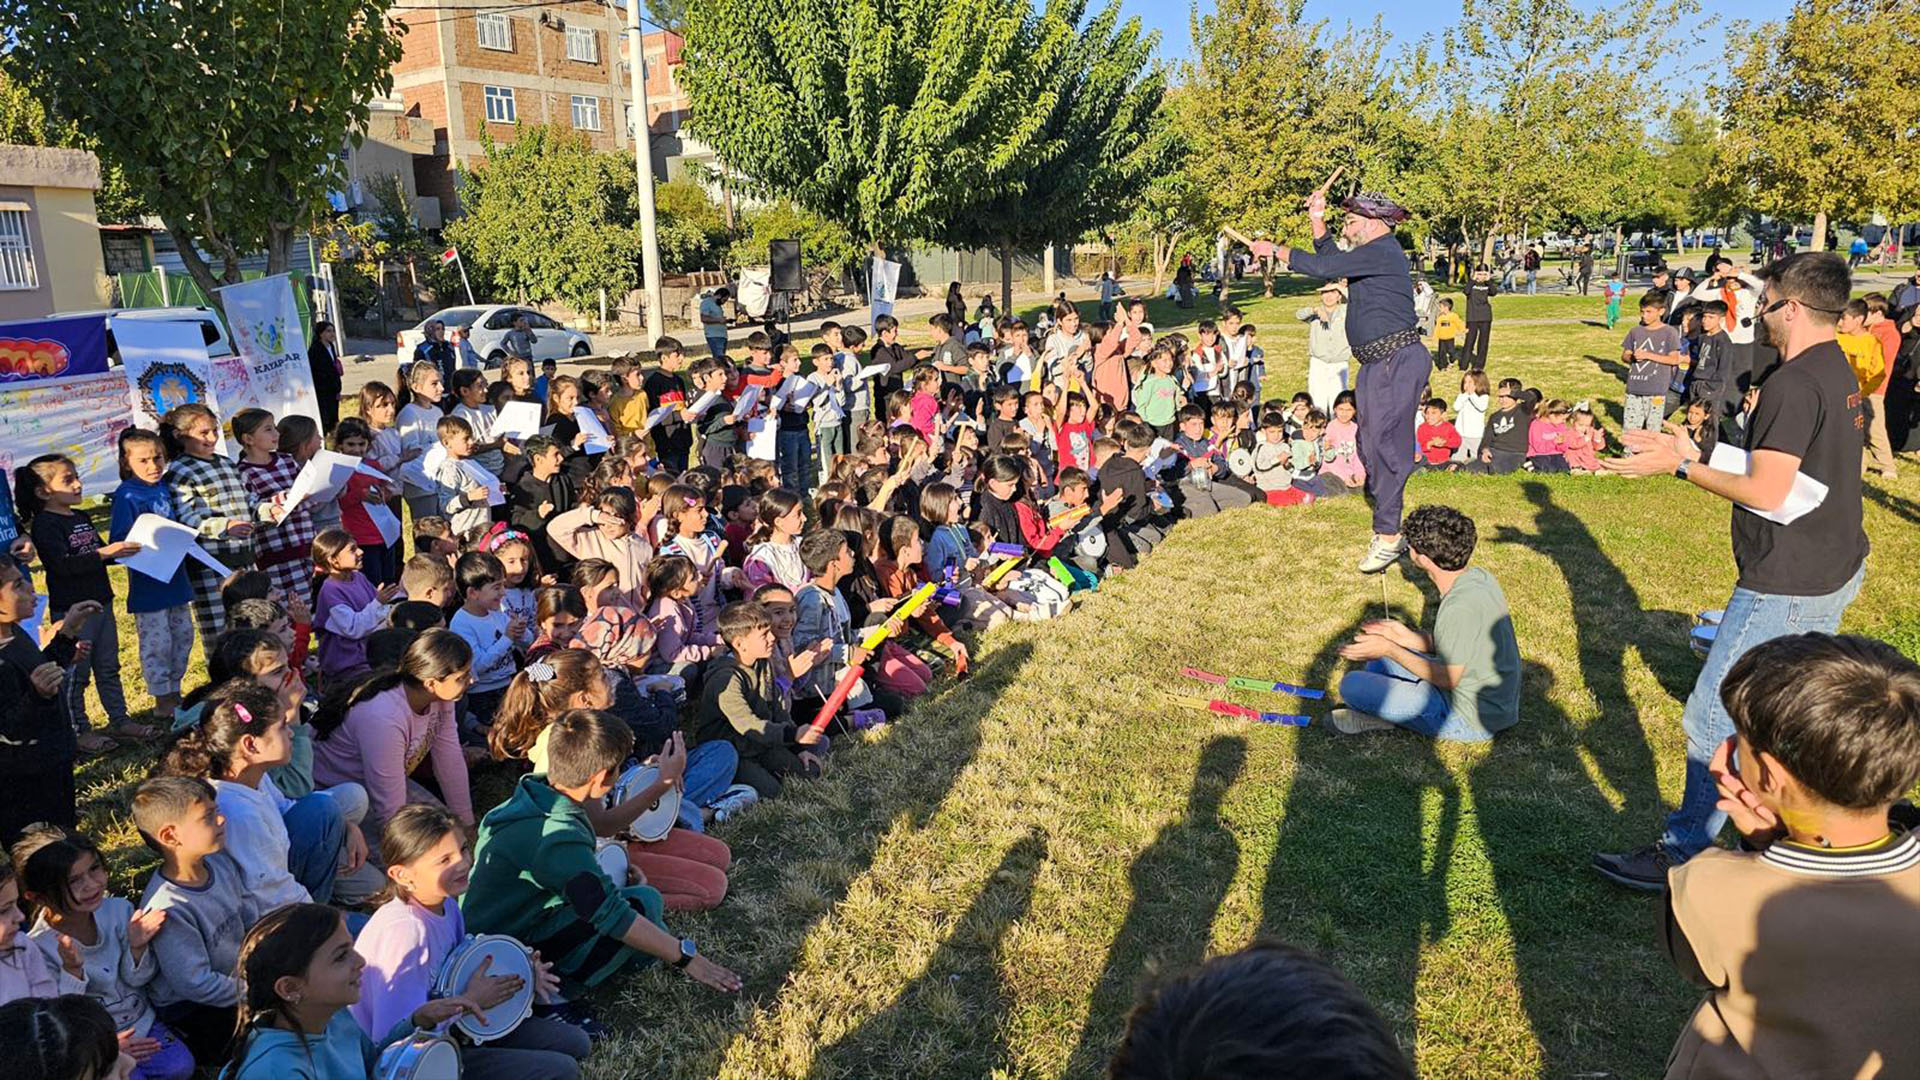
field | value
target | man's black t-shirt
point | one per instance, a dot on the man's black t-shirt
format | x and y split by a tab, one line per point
1809	408
1507	429
663	387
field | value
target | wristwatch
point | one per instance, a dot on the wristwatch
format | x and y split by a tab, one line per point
1680	470
688	950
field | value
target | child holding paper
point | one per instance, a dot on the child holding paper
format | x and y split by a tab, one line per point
465	490
363	507
161	610
470	393
281	549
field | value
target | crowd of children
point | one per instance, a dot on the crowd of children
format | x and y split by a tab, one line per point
691	582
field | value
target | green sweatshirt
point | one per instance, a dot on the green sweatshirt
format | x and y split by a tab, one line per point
535	879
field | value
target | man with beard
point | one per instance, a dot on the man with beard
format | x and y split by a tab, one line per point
1797	574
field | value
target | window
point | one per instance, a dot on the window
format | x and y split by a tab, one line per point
586	113
500	105
16	250
502	319
495	31
582	45
540	322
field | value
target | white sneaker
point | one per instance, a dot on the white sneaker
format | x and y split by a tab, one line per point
1382	554
1355	722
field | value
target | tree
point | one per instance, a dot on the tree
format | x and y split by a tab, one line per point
1822	113
892	117
1687	187
668	14
24	122
1171	211
548	217
693	232
1105	140
230	114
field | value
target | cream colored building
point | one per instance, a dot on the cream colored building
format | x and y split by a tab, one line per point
50	256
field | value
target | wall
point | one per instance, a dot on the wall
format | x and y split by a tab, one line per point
57	185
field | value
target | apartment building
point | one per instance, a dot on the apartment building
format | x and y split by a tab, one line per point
470	69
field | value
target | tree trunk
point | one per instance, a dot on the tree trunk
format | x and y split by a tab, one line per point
1162	257
279	249
1679	240
197	267
1819	232
1006	277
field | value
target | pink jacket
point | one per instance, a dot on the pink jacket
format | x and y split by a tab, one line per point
1546	437
681	639
1341	453
379	744
577	535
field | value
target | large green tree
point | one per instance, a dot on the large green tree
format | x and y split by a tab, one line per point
24	122
1822	112
893	117
548	217
229	114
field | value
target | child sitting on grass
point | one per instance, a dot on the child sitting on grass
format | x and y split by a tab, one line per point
1585	441
1803	938
1547	439
745	703
1436	436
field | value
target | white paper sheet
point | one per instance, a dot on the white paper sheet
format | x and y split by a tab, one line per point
705	402
518	420
1805	494
871	371
163	544
386	521
496	492
598	441
749	397
657	417
365	469
322	479
761	439
796	391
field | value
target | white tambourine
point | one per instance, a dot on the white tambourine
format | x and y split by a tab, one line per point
420	1056
1240	462
509	958
655	821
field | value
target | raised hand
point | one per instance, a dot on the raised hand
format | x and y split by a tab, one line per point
70	958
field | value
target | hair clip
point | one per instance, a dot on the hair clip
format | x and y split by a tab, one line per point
241	711
540	671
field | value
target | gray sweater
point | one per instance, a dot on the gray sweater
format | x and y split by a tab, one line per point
199	945
113	979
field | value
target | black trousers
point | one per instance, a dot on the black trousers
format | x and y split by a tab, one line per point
1474	353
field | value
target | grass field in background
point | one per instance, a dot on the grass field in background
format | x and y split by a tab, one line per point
976	890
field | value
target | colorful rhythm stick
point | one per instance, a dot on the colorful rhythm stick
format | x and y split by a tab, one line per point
1228	708
1060	572
874	639
1005	549
836	699
1067	517
998	572
1241	682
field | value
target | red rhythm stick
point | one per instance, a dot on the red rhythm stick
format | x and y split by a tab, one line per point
836	699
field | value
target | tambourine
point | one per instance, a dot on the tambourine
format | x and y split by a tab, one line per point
509	958
656	820
1706	627
1240	462
420	1056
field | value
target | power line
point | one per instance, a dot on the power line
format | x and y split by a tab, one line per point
473	11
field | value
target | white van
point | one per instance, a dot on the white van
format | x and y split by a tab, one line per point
211	328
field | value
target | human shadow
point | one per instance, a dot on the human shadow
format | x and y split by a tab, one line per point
1167	928
960	1000
1897	505
1350	874
1607	620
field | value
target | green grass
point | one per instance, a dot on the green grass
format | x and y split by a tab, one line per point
978	890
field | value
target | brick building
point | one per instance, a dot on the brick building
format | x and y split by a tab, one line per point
469	69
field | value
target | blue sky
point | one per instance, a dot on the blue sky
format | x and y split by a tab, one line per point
1407	19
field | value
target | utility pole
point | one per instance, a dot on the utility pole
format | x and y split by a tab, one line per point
643	175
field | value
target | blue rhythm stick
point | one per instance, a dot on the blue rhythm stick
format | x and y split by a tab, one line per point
1228	708
1241	682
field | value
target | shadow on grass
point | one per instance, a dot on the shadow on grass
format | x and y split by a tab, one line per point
1898	505
940	997
1165	929
1349	877
1616	411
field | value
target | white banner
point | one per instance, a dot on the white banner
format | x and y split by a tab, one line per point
270	371
166	365
81	417
883	283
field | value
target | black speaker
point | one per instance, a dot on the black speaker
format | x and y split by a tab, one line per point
784	255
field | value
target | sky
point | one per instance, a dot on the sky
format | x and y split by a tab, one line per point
1406	19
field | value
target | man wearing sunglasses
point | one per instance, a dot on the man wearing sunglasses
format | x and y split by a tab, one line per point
1798	572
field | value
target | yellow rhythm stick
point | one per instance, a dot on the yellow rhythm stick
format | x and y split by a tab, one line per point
905	611
998	572
1067	517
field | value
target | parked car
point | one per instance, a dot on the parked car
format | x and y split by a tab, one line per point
212	330
484	325
1556	244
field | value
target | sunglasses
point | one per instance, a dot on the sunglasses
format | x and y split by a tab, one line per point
1778	304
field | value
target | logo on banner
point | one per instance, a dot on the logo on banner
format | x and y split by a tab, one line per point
32	358
164	387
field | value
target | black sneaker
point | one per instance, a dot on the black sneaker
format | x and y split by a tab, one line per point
1642	868
577	1014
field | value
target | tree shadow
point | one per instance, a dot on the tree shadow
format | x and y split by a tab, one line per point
961	998
1607	620
1167	929
1350	876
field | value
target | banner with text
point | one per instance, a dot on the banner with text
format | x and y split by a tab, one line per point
270	369
57	396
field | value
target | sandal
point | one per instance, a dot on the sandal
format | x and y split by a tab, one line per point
96	742
129	729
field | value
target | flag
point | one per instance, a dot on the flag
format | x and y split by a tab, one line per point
449	255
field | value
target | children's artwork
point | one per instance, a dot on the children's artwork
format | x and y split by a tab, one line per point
1805	494
705	402
163	545
749	397
598	441
519	420
386	521
53	348
59	397
271	371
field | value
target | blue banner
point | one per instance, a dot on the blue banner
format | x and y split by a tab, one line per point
52	349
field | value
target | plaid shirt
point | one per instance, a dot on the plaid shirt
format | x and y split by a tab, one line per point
208	494
292	539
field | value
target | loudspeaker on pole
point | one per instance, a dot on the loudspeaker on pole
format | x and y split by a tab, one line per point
784	257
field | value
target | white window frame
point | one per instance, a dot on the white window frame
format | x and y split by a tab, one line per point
493	30
583	44
591	105
18	272
501	96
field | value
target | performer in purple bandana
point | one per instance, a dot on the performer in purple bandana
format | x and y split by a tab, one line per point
1385	336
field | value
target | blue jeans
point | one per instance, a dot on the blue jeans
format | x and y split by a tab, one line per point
710	768
793	453
1752	618
316	831
717	345
1389	691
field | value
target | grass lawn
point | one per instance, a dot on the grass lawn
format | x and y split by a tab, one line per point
977	890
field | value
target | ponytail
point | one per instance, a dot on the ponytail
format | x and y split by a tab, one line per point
541	691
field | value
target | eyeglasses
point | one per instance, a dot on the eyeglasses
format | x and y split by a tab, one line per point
1778	304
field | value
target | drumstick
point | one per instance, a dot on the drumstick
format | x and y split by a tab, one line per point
1328	186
